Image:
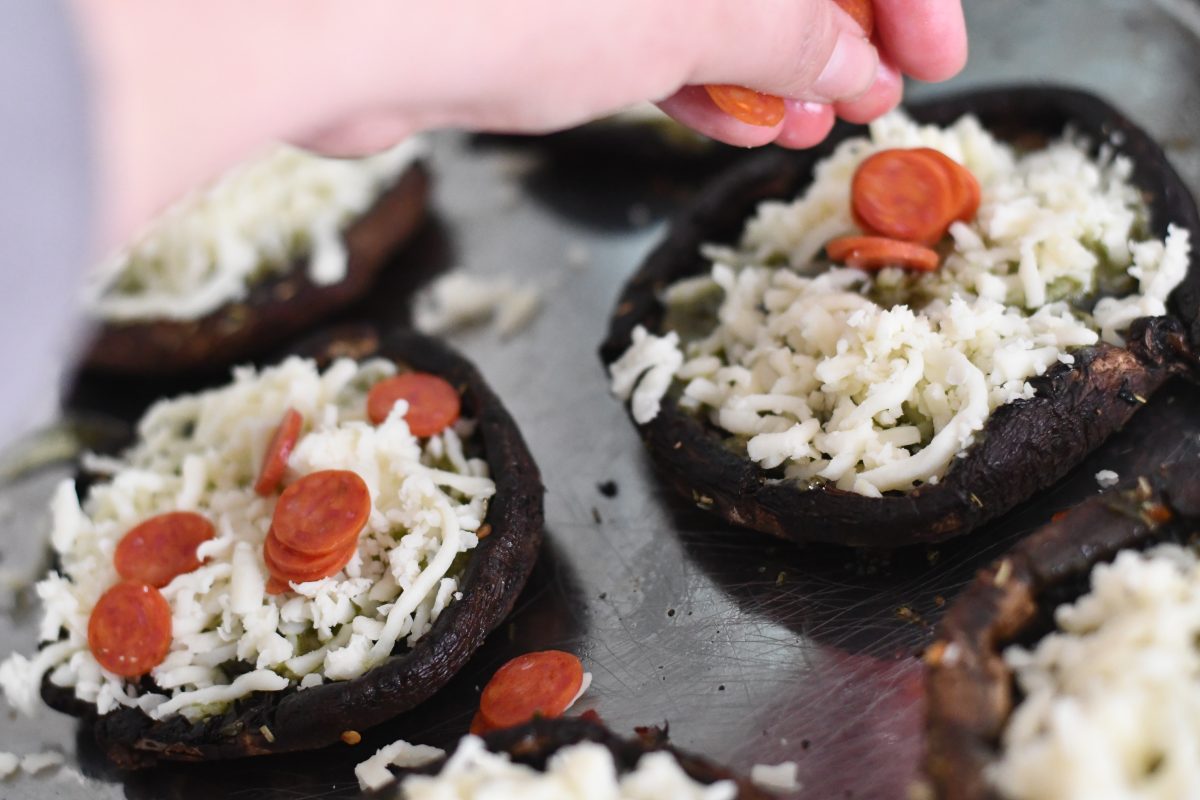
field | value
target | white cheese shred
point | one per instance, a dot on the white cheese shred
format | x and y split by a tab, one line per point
1107	479
373	773
780	777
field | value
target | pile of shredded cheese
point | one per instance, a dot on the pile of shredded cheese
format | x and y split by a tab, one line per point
576	772
202	453
211	246
1112	699
876	381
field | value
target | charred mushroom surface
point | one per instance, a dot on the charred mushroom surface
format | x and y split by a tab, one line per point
970	688
496	571
275	308
534	744
1025	445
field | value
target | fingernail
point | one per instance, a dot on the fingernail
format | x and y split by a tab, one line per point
850	70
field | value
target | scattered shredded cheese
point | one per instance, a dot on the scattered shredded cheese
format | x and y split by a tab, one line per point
458	300
33	763
877	381
8	764
202	452
373	773
584	770
1111	705
1107	479
776	778
207	250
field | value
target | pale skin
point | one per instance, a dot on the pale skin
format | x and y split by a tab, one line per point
184	90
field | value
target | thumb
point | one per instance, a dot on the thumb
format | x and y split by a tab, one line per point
803	49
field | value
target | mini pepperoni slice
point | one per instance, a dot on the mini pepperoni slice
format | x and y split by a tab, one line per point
876	252
158	549
129	632
322	512
479	725
903	194
274	462
535	684
433	404
967	194
747	105
289	564
863	12
277	585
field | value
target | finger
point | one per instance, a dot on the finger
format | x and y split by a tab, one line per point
926	39
806	124
361	135
805	49
693	107
882	97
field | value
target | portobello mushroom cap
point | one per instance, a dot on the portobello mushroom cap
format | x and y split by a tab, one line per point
534	743
277	722
274	309
1025	445
970	691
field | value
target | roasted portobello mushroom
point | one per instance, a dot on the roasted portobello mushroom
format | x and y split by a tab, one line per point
138	329
1025	443
972	688
536	743
444	560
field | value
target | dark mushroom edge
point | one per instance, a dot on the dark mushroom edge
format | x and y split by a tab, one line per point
1025	445
970	691
276	722
274	309
534	743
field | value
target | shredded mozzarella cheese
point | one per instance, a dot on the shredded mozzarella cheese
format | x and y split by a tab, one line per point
373	774
1111	705
202	452
876	381
584	770
210	247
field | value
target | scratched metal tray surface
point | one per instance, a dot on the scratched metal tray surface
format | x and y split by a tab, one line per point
752	650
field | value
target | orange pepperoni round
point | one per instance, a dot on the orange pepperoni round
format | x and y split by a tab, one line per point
322	512
162	547
876	252
535	684
274	462
862	11
479	725
903	194
277	585
966	192
747	105
433	404
129	632
289	564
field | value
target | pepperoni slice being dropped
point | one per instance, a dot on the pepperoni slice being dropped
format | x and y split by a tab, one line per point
967	194
162	547
274	462
747	105
291	565
904	194
322	512
129	632
542	684
876	252
863	12
433	404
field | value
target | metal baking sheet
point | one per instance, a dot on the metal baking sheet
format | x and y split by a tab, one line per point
753	651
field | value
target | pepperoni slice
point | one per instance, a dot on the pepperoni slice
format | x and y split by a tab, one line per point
162	547
277	585
967	194
862	11
322	512
479	725
747	105
903	194
542	684
876	252
274	462
289	564
129	632
433	404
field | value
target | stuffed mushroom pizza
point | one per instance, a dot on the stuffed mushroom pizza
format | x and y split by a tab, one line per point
298	533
